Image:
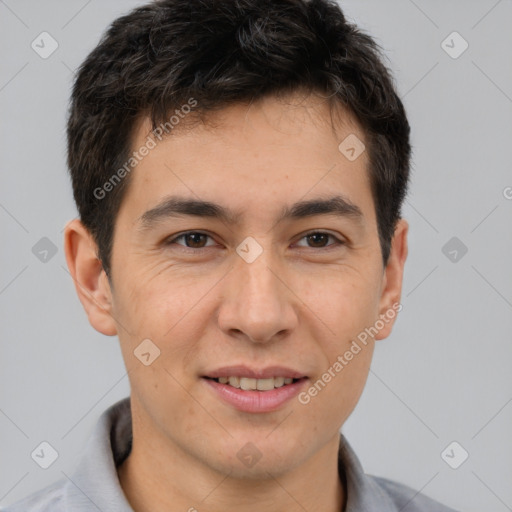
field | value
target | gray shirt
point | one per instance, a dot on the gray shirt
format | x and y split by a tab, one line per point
94	486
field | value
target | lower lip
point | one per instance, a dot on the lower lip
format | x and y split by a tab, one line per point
256	401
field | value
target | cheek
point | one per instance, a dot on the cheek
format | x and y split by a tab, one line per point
155	301
170	313
349	383
346	301
334	393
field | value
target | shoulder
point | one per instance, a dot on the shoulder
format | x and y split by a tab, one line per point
49	499
407	499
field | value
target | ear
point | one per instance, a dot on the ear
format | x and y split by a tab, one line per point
389	304
91	282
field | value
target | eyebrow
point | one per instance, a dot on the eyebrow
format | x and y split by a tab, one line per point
175	206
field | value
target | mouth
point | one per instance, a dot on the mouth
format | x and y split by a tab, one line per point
253	384
255	391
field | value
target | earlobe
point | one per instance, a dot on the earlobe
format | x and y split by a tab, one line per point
392	281
91	282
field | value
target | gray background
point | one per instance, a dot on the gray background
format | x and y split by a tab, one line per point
444	374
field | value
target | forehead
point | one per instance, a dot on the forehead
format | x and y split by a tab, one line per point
259	155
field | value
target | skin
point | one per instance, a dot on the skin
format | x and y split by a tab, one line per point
300	304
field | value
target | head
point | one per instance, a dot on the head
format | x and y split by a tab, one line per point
222	218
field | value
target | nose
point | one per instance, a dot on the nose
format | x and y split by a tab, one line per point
257	303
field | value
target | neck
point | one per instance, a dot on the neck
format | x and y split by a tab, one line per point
158	476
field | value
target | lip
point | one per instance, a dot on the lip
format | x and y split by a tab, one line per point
264	373
255	401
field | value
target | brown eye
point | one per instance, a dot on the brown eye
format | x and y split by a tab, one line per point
318	239
192	240
195	240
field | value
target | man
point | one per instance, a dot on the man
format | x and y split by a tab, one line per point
239	168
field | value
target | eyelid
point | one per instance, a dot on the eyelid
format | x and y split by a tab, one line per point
338	240
172	239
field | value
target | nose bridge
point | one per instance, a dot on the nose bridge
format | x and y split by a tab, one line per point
257	303
258	282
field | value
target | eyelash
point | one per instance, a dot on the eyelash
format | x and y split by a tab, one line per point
172	241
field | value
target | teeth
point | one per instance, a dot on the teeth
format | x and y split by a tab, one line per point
234	381
265	384
248	384
278	382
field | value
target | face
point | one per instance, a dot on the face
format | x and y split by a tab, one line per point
246	248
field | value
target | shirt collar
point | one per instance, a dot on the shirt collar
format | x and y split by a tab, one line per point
95	480
363	493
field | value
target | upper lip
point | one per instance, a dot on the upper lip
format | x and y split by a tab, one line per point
253	373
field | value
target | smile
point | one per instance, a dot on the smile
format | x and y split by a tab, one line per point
248	384
255	391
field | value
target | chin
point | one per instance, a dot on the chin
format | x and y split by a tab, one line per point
259	455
